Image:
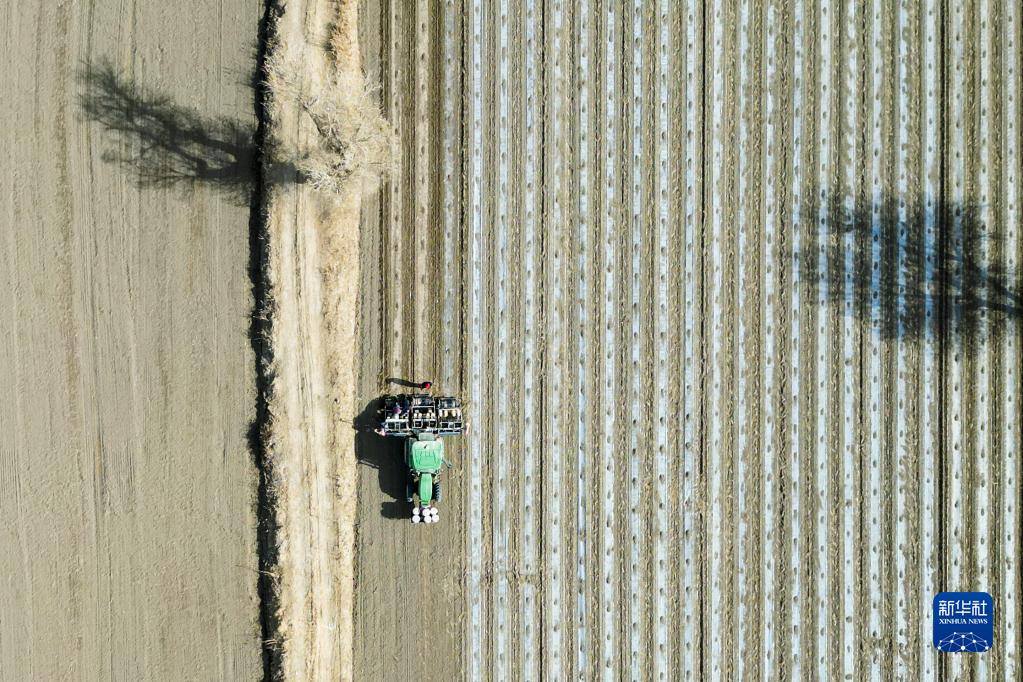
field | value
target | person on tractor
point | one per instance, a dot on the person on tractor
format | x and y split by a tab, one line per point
399	409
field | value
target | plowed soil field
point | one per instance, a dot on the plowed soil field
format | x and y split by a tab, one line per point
127	481
732	291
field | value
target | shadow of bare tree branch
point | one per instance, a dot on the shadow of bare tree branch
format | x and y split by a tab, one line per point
930	268
165	144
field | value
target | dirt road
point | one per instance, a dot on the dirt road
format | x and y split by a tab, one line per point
732	290
126	479
313	275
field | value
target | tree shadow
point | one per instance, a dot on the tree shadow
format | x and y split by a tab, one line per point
384	455
166	145
915	270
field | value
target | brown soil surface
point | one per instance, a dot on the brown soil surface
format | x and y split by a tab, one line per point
127	485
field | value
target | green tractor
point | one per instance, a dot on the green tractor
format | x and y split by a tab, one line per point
422	420
424	457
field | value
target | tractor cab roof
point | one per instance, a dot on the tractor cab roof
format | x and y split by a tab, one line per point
425	454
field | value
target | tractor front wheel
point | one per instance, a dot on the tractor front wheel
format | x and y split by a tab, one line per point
436	491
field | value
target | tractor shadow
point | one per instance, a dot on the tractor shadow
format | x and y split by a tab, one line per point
384	455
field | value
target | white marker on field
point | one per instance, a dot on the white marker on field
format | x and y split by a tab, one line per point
1009	542
608	586
423	178
475	641
770	532
903	600
451	150
501	663
742	541
554	313
394	242
875	587
715	457
850	337
929	463
954	513
636	566
690	588
583	401
663	483
531	642
824	198
795	394
983	481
